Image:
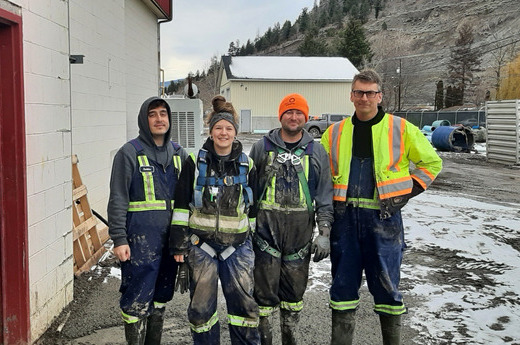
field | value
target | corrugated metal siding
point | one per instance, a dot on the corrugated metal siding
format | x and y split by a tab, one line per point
503	131
263	98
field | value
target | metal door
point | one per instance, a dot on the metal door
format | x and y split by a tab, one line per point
245	121
14	272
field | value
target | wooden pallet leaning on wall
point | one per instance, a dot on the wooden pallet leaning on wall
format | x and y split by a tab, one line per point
89	233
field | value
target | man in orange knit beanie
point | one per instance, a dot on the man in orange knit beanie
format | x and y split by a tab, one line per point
294	101
296	193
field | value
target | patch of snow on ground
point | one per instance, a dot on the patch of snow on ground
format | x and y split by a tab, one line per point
115	272
463	262
471	286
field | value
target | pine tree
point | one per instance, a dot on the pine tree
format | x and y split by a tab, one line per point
249	48
335	13
275	39
448	101
464	62
364	11
233	49
286	30
303	21
378	7
312	46
439	95
354	45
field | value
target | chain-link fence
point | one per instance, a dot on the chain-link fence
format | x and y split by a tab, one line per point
470	118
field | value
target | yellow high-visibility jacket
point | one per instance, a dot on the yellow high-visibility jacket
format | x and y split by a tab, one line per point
396	143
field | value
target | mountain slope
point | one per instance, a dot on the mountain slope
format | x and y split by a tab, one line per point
412	41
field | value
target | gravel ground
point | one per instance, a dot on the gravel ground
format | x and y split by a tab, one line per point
93	316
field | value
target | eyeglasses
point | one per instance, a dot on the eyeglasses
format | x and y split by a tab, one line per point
369	94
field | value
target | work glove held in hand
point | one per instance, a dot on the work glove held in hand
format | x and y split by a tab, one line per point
390	206
183	278
321	245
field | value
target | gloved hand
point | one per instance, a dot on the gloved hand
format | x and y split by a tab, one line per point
183	278
390	206
321	245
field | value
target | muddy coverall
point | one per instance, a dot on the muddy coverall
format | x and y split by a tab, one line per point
293	183
142	186
211	226
372	182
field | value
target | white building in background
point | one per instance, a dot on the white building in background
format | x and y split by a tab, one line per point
256	85
77	72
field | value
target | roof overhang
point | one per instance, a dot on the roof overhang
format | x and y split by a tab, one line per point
163	9
233	79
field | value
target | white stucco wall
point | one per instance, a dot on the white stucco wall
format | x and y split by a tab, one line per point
79	109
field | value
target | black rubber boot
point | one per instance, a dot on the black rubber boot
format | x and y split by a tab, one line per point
343	326
289	322
391	329
266	333
154	327
135	332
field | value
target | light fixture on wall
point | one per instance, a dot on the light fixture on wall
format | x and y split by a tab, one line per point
76	59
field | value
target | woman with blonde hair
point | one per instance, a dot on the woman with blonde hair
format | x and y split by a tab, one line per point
211	229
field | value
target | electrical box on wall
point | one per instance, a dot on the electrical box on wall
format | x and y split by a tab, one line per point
187	122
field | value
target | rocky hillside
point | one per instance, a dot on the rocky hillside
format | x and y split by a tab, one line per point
417	35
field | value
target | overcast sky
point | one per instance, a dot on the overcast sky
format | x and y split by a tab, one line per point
203	28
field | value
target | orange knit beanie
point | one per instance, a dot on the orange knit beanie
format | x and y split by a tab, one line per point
294	101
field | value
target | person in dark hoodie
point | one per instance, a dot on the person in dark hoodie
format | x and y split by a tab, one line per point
296	193
211	228
144	177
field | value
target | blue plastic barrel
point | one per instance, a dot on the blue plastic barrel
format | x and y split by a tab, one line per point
439	123
453	138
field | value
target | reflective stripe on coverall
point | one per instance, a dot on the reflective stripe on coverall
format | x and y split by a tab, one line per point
207	263
149	275
361	240
236	279
365	237
285	225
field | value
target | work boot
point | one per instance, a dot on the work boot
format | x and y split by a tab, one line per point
343	326
135	332
154	327
266	333
289	322
391	329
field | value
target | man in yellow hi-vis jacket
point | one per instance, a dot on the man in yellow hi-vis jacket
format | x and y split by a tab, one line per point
370	155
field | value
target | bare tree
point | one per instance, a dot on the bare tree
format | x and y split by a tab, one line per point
503	52
397	76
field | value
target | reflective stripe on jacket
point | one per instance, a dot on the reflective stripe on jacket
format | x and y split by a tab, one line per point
396	143
269	202
150	201
235	222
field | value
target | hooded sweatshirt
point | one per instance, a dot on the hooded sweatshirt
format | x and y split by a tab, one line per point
124	166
